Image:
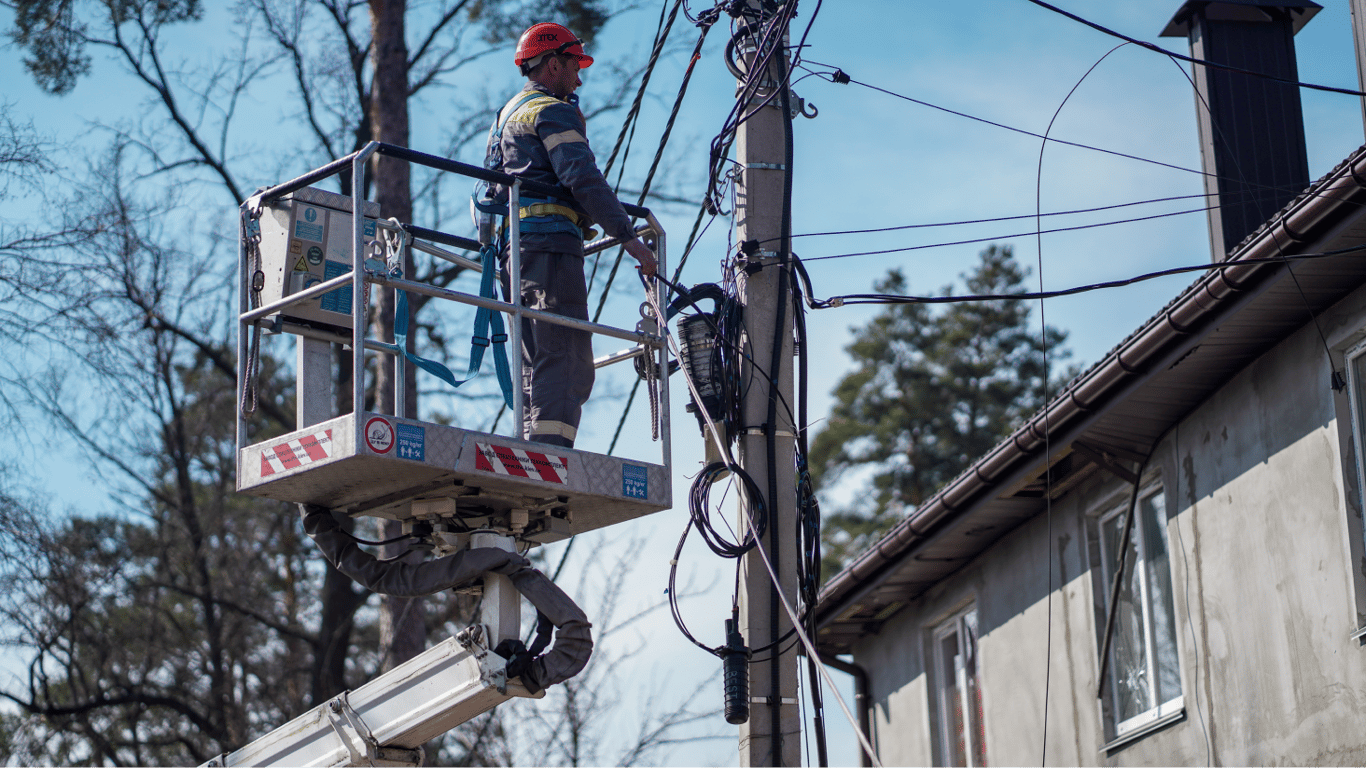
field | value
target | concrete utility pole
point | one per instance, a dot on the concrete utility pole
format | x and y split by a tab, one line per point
772	736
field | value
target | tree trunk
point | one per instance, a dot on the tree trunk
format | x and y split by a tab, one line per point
402	634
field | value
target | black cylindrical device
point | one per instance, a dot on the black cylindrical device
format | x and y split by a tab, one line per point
735	662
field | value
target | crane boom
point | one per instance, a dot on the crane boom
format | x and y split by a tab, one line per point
387	720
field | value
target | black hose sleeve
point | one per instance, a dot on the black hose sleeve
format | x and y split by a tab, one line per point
397	578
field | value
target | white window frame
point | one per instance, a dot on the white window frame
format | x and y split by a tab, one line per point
950	676
1358	417
1173	708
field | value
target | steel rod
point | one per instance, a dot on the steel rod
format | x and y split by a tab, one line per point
328	286
535	314
514	297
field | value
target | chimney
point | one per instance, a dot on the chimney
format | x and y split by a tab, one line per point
1252	145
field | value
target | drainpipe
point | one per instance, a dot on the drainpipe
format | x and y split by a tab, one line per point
862	702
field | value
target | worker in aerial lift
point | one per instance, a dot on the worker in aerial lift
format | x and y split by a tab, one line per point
540	136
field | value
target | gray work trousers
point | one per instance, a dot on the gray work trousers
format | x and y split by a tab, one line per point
557	362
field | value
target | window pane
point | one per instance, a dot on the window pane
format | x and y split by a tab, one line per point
976	723
952	700
1358	379
1157	562
1128	652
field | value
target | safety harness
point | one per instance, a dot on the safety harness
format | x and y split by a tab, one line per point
540	215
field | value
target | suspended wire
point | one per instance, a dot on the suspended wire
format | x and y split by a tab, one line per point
887	298
839	76
998	219
1047	428
1200	62
767	43
633	114
659	155
1073	228
628	126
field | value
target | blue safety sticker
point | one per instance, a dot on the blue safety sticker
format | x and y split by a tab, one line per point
412	442
308	225
340	299
635	482
367	228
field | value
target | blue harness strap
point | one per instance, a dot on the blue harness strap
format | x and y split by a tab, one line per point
483	319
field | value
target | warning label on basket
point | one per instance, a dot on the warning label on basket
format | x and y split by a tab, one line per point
296	453
516	462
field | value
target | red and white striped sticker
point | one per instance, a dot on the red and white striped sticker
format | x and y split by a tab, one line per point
516	462
296	453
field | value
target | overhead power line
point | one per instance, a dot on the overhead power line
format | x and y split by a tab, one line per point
1201	62
1030	233
889	298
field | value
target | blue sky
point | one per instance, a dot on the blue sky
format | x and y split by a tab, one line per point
870	160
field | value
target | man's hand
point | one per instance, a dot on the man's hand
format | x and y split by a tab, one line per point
644	255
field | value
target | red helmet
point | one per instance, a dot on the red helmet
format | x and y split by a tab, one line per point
548	37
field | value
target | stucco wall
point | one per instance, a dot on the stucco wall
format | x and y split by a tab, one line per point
1266	566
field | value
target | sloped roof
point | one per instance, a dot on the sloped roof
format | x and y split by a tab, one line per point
1121	406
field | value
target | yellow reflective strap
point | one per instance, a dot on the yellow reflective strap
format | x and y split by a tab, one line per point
527	113
548	209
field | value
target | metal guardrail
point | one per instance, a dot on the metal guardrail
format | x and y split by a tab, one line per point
427	241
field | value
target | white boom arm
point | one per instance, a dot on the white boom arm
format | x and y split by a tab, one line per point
387	720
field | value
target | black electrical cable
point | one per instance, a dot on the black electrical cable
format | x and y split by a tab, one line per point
992	238
1200	62
999	219
842	77
699	510
886	298
633	114
659	155
699	517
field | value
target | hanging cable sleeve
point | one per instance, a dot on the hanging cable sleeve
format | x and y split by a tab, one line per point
573	638
397	578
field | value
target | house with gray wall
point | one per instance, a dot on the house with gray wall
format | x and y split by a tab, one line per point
1167	564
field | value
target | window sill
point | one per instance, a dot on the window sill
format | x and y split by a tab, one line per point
1360	634
1143	730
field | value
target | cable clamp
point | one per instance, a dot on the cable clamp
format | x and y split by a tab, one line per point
762	431
753	262
768	700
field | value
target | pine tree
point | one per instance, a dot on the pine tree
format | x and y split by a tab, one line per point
933	391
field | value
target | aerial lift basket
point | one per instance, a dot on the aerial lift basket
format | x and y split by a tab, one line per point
299	245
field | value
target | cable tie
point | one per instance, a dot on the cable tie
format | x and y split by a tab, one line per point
768	700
